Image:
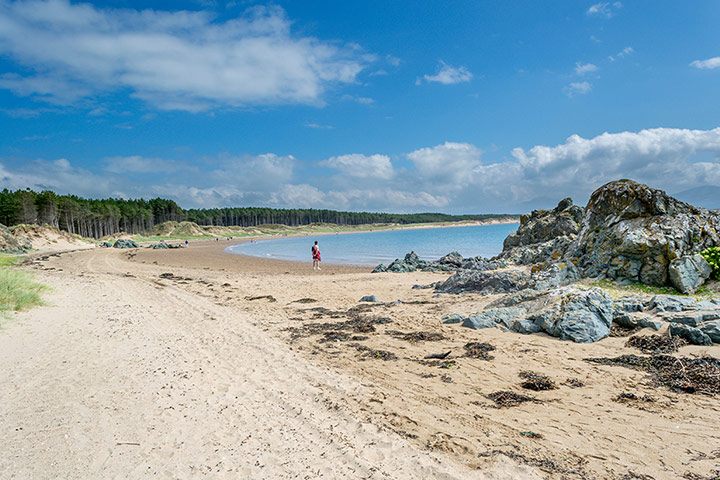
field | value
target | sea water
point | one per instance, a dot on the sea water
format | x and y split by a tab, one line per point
372	248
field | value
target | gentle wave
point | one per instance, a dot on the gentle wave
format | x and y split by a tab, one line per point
372	248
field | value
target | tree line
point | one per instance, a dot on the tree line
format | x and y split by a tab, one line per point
99	217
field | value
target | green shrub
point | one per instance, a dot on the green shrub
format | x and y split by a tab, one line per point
712	255
18	291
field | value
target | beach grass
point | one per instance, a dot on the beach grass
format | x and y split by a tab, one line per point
18	290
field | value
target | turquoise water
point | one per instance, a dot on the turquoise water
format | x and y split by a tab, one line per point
383	247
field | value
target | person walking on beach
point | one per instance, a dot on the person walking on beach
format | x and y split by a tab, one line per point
316	256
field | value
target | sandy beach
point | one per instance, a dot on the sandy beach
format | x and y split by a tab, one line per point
199	363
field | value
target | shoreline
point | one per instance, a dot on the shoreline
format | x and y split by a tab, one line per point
298	235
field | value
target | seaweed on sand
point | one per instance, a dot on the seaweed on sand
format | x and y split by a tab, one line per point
479	350
656	343
331	330
682	374
414	337
536	381
373	353
504	398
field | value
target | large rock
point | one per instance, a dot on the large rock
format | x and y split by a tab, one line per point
491	318
485	282
631	231
691	334
8	242
544	225
582	316
689	272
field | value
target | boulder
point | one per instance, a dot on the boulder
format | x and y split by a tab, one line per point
125	243
490	318
689	272
370	298
582	316
484	282
545	225
452	259
671	303
159	246
24	242
691	334
634	232
380	268
8	242
712	330
452	318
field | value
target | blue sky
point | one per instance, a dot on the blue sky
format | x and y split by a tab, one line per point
457	106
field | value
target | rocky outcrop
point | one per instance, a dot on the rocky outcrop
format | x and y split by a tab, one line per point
631	231
451	262
689	272
544	235
8	242
485	282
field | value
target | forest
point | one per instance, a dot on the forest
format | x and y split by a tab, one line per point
96	218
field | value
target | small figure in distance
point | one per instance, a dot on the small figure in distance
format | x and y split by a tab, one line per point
316	256
186	243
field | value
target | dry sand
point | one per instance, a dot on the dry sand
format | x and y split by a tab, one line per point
133	373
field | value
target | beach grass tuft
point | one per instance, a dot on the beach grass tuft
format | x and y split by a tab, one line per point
18	290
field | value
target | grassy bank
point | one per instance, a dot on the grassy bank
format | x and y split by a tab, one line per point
18	290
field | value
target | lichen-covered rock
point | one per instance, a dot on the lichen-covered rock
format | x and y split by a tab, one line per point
582	316
484	282
671	303
380	268
8	242
24	242
558	274
490	318
544	225
631	231
691	334
691	317
689	272
549	251
125	243
453	259
712	330
159	246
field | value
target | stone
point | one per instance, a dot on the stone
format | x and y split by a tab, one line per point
691	334
689	272
485	282
712	330
380	268
544	225
632	231
629	303
525	326
582	316
159	246
648	322
24	242
8	242
125	243
453	318
489	318
370	298
692	318
555	275
453	259
671	303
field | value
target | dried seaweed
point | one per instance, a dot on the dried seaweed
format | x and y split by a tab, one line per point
414	337
479	350
504	398
682	374
536	381
372	353
626	397
357	324
656	343
574	383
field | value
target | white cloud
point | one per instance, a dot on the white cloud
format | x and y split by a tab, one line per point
172	60
709	64
137	164
577	88
362	166
627	51
318	126
448	75
604	9
357	99
582	69
450	164
446	177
